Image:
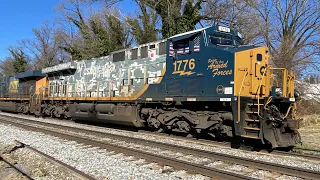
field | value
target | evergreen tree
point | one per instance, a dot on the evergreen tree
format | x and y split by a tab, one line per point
19	59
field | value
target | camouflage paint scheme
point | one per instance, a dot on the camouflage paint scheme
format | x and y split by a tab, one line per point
211	78
110	76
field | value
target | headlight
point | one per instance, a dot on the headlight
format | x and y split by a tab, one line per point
278	91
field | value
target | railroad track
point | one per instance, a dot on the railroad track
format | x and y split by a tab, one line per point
307	150
74	172
227	144
12	165
222	144
119	143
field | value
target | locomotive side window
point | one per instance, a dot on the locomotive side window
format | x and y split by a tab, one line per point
259	57
239	41
144	52
152	46
134	54
120	56
162	48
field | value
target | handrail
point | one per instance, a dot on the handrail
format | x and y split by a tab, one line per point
287	76
264	73
239	96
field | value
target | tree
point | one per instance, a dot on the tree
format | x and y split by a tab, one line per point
98	35
45	46
6	67
234	14
291	30
16	63
144	26
173	21
20	59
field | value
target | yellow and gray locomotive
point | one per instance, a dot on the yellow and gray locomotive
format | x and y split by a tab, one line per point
200	82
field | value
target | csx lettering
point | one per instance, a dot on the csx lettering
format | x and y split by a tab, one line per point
184	67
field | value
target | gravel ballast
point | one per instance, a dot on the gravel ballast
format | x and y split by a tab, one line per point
34	164
288	161
98	163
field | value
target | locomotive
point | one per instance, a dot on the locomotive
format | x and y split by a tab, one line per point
204	81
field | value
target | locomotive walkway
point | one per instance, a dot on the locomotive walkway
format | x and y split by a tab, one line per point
157	152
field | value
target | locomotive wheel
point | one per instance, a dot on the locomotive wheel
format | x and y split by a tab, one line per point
25	108
155	125
37	110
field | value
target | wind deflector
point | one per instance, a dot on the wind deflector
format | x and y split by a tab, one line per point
69	66
29	74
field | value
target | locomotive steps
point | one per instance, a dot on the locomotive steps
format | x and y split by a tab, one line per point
209	163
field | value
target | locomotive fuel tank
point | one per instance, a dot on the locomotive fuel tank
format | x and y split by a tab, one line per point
106	113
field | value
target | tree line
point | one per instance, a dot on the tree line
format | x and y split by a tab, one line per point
94	28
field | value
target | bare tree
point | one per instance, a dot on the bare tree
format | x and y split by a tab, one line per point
291	30
235	14
44	47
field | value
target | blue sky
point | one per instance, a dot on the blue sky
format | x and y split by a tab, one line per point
18	17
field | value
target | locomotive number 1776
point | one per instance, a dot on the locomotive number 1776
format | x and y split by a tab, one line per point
184	67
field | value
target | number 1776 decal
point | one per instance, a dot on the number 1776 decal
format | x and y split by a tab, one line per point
184	67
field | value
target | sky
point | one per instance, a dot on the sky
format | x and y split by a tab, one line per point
18	17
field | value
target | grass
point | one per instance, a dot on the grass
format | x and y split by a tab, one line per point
309	120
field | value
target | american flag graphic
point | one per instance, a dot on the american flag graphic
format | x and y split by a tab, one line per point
171	50
196	44
183	48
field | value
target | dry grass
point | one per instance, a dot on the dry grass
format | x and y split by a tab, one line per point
310	131
309	120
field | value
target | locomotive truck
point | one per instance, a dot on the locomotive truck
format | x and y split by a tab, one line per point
204	81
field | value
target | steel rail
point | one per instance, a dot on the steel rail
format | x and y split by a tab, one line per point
226	144
307	149
178	164
213	143
75	172
25	174
299	172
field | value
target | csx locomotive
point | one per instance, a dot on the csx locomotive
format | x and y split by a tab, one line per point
204	81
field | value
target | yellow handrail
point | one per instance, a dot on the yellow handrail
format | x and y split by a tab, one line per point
287	76
239	96
264	73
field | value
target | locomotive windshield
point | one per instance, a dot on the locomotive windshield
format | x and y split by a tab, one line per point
225	37
216	39
239	41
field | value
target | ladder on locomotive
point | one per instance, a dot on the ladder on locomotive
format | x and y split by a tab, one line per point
252	122
35	103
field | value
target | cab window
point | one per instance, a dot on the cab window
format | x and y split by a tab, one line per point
216	39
